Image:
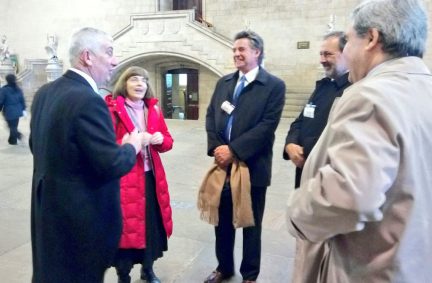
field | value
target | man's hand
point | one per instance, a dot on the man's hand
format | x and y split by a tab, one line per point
135	139
223	156
295	153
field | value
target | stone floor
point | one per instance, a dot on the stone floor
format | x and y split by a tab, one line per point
191	248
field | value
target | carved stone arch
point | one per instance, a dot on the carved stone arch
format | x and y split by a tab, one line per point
159	63
141	56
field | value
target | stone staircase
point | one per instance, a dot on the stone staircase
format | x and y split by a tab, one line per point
295	100
174	33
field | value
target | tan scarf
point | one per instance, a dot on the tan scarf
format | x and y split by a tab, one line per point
210	193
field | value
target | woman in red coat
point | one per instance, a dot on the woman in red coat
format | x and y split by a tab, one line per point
145	202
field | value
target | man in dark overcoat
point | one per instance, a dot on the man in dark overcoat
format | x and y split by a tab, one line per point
241	120
75	208
305	131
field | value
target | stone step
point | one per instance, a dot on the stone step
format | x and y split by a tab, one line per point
294	102
291	111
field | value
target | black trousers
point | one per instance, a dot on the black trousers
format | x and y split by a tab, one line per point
156	238
14	135
225	236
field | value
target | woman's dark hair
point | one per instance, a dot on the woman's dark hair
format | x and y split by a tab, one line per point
120	86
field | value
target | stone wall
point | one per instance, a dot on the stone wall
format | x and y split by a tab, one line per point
282	24
27	23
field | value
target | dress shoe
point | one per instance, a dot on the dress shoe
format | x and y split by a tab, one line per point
217	277
148	276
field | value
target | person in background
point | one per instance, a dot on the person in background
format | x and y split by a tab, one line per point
307	128
365	189
241	120
13	106
77	165
145	201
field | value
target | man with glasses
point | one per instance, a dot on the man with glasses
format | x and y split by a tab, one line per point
366	187
307	128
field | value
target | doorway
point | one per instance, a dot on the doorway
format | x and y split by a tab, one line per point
189	4
180	99
196	5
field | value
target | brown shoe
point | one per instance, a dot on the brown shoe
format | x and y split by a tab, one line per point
248	281
216	277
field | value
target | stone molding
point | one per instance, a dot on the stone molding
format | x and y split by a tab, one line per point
174	33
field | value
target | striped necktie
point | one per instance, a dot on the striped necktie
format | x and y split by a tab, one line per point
237	93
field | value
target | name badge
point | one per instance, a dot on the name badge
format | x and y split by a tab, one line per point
227	107
309	110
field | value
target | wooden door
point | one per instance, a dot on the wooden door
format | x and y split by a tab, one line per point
192	95
167	106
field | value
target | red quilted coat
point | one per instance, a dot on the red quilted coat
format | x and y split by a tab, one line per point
132	185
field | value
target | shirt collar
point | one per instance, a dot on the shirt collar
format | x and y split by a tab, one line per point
251	75
89	79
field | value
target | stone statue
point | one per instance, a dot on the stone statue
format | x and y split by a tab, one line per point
51	47
54	68
4	50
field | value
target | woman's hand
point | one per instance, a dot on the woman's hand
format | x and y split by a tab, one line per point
145	141
156	138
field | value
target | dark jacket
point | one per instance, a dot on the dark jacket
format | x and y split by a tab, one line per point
257	115
75	213
305	131
12	102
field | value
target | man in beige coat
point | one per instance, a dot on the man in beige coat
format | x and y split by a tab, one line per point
366	190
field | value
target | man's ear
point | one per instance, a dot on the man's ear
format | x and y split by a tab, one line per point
373	36
85	58
257	53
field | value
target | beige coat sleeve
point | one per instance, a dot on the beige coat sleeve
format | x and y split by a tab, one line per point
347	174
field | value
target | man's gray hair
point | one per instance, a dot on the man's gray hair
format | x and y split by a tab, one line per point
402	25
255	40
340	35
86	38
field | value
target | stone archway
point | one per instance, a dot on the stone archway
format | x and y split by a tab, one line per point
158	64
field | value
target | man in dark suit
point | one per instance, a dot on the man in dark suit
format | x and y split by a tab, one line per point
307	128
75	213
243	129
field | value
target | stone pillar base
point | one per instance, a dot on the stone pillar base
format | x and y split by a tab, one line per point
53	70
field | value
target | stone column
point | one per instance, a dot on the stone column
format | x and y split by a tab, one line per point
53	69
